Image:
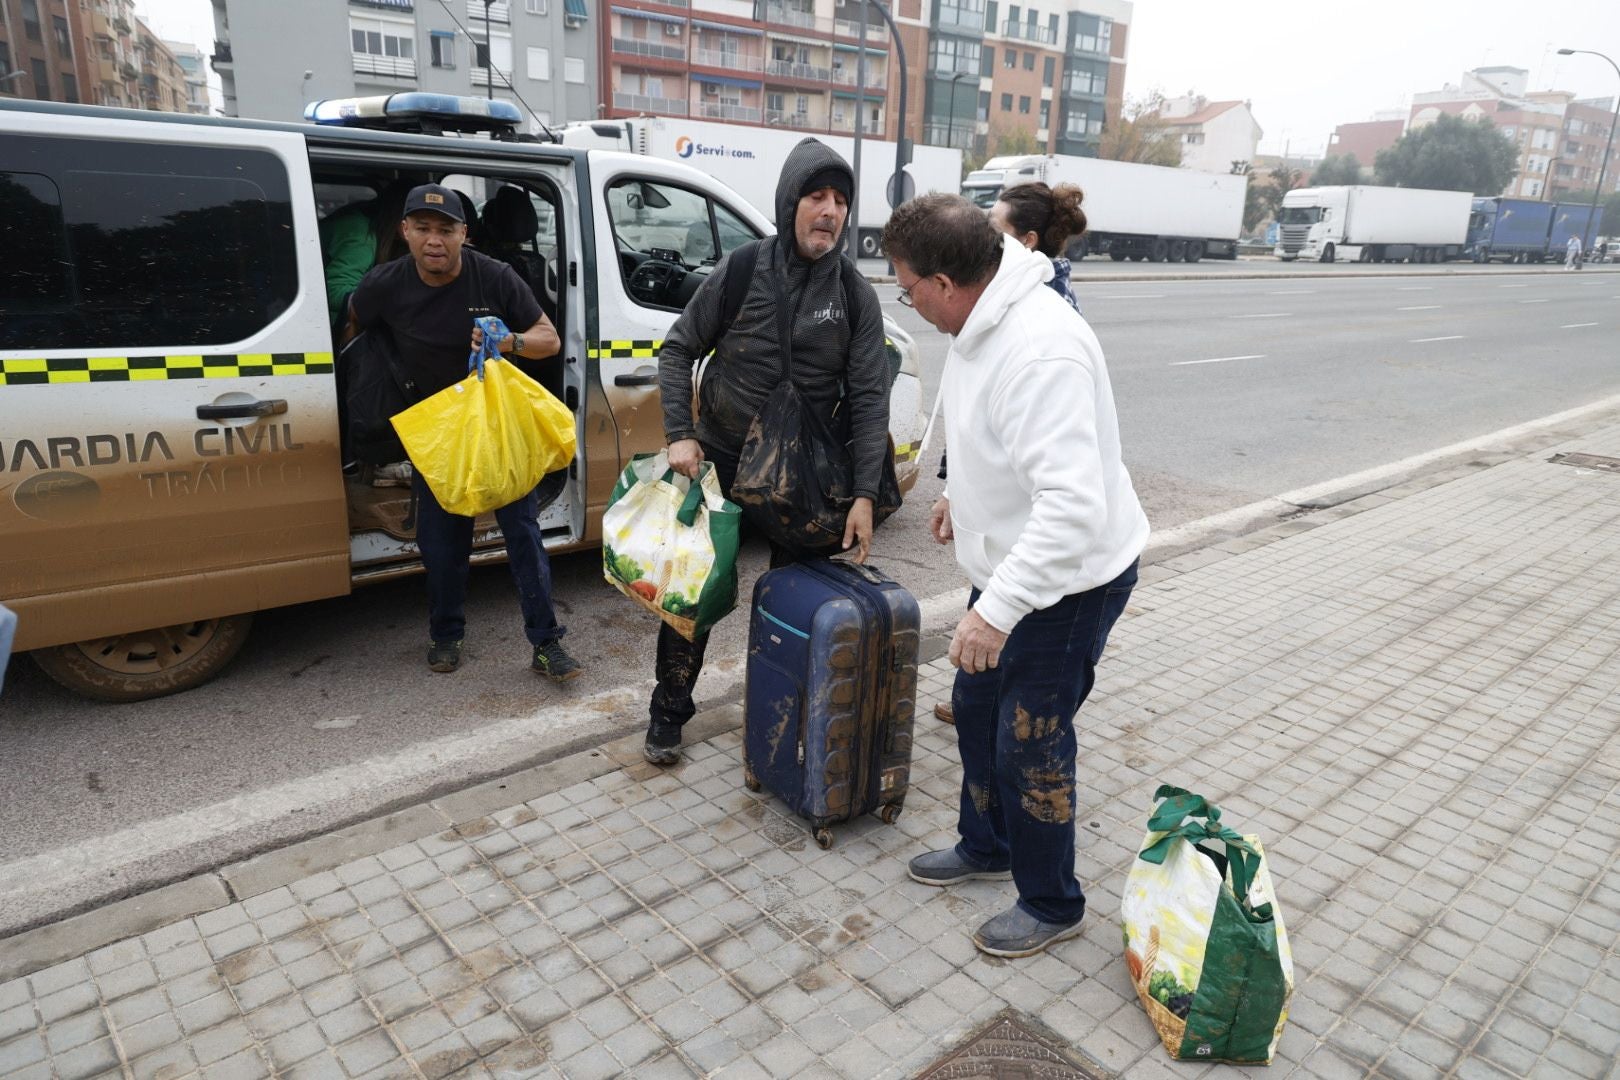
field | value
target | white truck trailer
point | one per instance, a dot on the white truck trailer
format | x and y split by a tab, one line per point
1133	211
749	160
1373	224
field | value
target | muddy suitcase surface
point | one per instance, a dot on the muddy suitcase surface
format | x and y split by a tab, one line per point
831	691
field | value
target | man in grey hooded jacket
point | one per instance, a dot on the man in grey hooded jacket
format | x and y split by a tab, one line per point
834	361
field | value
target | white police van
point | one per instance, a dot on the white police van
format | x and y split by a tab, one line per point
169	451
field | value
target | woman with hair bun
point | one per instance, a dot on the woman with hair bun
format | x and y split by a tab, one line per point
1046	220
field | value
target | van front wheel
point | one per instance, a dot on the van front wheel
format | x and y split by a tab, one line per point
147	663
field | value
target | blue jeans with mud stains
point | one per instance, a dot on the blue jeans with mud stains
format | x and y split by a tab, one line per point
1015	730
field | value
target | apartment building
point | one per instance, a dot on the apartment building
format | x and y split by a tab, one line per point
1054	70
1559	139
40	50
193	63
787	63
273	59
1212	134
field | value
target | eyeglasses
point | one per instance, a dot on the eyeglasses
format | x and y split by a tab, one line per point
905	294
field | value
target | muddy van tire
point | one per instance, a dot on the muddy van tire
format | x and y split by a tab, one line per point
146	663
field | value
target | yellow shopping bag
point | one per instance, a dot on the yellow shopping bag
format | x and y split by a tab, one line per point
487	441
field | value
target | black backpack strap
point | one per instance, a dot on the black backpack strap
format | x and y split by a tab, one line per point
854	296
739	275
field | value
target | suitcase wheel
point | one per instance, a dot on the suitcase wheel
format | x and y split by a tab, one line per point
890	813
750	781
823	837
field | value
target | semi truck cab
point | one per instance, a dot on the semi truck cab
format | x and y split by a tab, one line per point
1311	223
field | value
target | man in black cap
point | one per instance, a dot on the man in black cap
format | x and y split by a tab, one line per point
429	301
838	357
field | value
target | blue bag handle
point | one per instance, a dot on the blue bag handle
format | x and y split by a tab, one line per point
495	332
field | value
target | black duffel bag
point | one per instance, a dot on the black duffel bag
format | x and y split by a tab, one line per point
376	389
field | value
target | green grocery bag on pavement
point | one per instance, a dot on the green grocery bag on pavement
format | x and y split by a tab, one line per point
670	544
1204	937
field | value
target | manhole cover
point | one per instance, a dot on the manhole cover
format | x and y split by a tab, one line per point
1012	1047
1587	461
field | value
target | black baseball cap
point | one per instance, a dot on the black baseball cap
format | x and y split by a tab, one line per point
437	198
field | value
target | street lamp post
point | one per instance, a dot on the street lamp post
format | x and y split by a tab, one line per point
8	76
1609	142
958	77
489	55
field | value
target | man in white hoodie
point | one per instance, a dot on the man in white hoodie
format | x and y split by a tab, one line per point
1048	530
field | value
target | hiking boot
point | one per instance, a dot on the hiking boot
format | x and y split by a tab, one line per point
947	868
663	743
553	661
444	656
1015	932
944	713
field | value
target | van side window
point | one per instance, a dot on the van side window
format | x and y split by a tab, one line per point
668	238
159	246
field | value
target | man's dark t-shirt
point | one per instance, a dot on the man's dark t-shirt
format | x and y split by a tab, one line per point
432	325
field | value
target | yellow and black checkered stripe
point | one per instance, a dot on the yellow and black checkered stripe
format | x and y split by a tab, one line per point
17	371
905	452
623	350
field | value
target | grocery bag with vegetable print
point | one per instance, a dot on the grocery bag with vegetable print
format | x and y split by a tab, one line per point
670	544
1204	937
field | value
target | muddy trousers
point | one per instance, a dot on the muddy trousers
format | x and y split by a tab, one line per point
445	540
680	662
1015	731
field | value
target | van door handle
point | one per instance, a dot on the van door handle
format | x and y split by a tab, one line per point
635	380
270	407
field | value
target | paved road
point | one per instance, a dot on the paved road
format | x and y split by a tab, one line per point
1229	390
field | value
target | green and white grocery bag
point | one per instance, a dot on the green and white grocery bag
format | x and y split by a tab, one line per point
1204	938
670	544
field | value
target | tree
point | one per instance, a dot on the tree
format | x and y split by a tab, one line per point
1337	170
1002	142
1140	134
1282	180
1254	204
1452	154
1608	209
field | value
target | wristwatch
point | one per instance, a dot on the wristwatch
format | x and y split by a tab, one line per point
517	344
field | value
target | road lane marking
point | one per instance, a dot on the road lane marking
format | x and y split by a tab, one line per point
1218	360
1414	288
1267	315
1543	300
1419	307
1292	292
1129	296
1513	286
1448	337
1576	325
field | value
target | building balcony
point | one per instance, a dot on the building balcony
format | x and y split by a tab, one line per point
122	25
846	76
961	21
846	125
221	55
785	69
1083	89
728	61
387	5
1041	35
398	67
787	119
651	49
747	114
783	15
656	105
875	30
958	134
500	11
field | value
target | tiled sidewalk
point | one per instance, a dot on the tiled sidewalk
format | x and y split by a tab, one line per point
1415	700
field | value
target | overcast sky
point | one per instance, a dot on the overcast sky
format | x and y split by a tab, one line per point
1306	65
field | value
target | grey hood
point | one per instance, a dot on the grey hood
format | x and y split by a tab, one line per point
808	158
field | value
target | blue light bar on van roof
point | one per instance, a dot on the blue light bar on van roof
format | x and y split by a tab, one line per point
416	111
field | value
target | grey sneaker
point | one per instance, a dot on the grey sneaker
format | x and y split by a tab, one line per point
444	656
947	868
1015	932
394	474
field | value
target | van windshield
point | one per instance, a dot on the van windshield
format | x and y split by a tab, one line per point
1299	215
983	197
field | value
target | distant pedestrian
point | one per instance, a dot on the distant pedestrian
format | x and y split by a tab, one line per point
1572	254
1047	220
1048	530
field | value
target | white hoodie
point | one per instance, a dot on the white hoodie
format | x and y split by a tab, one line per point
1041	504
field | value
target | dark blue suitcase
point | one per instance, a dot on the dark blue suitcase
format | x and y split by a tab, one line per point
831	691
